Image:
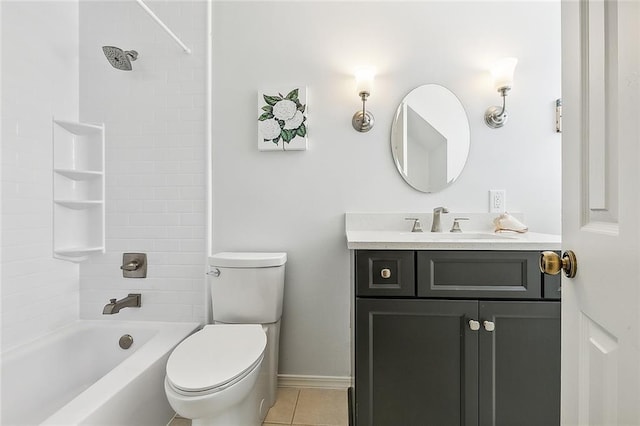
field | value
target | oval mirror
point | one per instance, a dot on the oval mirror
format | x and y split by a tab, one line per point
430	138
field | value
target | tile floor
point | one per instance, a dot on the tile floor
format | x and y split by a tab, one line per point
303	406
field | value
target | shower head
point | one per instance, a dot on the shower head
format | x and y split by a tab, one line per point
118	58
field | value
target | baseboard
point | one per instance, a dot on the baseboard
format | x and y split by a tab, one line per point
300	381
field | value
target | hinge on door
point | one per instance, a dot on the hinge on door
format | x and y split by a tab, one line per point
558	115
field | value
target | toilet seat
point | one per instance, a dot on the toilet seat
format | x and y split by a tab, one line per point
215	358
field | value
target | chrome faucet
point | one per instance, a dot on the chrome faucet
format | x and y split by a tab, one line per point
133	300
435	225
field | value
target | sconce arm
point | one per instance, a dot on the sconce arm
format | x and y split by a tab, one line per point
495	117
363	120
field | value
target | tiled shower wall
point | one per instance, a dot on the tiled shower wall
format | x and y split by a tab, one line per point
39	81
155	156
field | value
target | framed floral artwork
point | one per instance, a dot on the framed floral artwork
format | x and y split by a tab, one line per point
282	120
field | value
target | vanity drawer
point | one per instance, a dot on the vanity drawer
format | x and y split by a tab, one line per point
479	274
385	273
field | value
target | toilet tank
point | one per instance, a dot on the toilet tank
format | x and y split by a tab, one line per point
247	288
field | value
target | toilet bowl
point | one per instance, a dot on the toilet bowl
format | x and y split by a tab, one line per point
212	374
226	373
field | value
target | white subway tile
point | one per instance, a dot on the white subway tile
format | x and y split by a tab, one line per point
167	193
190	219
166	245
192	193
154	219
193	245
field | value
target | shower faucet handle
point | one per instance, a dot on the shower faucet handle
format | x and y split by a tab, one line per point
131	266
134	265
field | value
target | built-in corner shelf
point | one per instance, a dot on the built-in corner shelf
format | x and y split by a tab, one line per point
78	190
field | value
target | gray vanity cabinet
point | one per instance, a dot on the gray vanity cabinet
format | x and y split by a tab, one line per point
424	361
519	374
416	362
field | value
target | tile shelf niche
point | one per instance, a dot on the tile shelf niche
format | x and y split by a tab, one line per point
78	190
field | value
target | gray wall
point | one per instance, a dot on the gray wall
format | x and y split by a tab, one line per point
295	201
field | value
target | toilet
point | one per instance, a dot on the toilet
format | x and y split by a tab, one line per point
226	373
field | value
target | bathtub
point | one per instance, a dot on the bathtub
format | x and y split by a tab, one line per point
80	375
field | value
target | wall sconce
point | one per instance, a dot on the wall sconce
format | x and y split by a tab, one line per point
502	72
363	120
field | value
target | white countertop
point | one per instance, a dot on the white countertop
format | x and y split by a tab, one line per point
390	231
380	240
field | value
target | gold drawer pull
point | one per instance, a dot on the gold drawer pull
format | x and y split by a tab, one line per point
385	273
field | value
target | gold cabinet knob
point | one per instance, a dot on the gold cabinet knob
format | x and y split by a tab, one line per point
385	273
551	263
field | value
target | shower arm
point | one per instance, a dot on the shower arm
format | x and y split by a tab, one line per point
163	25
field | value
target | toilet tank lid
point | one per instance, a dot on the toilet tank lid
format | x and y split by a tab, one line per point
247	259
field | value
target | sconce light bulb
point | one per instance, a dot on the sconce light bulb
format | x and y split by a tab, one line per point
364	81
502	73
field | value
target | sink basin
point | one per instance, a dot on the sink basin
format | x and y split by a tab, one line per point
449	236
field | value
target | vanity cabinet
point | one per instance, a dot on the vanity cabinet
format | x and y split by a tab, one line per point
466	339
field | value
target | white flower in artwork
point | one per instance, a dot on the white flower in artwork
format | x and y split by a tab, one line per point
270	128
282	119
295	121
284	109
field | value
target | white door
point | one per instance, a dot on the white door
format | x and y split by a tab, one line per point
601	212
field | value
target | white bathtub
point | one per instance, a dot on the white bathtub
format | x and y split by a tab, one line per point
80	375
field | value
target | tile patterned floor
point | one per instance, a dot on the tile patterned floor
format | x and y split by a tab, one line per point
303	406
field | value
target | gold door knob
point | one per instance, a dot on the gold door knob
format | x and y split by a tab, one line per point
551	263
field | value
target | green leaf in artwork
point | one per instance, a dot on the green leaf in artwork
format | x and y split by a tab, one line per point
265	116
288	134
276	140
301	108
272	100
267	108
302	131
293	95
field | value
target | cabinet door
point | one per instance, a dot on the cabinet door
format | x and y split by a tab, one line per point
520	364
416	362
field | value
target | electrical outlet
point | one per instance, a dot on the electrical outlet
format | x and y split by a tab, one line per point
497	201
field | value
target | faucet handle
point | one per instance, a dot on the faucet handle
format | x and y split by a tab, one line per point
417	226
131	266
456	224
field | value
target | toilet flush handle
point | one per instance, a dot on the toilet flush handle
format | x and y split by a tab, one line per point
214	272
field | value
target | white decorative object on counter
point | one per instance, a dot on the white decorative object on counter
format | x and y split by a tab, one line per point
78	190
506	222
282	120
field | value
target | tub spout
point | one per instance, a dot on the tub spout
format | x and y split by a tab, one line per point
133	300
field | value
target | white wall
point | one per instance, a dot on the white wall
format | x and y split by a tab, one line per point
39	81
296	201
155	156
